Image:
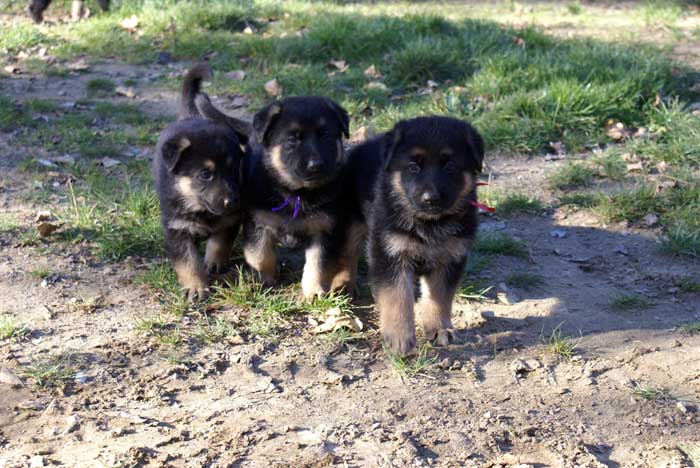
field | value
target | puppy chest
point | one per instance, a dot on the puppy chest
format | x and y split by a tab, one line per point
416	251
304	225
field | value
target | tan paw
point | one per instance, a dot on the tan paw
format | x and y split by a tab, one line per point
399	340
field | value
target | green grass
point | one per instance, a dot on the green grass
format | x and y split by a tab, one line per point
612	166
691	328
215	330
571	175
9	329
651	392
412	366
99	87
473	291
500	244
51	372
40	273
525	281
627	302
687	284
515	203
563	347
578	199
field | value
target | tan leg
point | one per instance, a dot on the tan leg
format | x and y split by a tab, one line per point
345	276
435	307
261	255
314	280
191	276
396	320
218	251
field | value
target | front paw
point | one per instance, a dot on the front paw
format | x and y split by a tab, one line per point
442	336
399	339
215	266
311	289
197	291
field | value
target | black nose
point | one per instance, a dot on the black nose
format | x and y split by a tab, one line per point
230	201
430	197
314	165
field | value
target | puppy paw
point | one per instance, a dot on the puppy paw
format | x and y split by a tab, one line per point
443	336
196	293
215	267
311	288
399	340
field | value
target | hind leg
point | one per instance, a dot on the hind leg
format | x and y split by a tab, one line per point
435	304
345	274
219	246
260	252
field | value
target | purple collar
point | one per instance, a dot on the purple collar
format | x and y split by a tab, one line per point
285	203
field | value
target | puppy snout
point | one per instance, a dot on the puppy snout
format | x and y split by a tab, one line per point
314	165
430	197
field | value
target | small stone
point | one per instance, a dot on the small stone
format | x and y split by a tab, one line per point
37	461
372	73
125	91
10	378
109	162
650	220
72	423
681	407
377	85
559	233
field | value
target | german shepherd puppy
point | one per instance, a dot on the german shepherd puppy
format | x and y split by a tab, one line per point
292	189
36	8
416	188
197	176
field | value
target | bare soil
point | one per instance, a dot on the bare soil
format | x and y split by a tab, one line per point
497	398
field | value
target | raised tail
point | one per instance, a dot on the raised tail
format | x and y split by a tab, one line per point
191	87
205	107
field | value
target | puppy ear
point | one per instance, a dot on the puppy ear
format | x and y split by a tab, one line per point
172	151
390	142
241	128
341	115
263	120
476	144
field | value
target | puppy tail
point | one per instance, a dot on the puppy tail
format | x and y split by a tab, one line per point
205	107
192	86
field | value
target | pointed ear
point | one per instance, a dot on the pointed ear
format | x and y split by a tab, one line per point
391	141
172	151
341	116
476	145
264	119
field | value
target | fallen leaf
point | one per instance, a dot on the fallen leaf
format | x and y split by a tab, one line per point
109	162
340	65
248	30
66	159
10	378
377	85
79	65
650	220
617	130
125	91
235	75
372	73
558	147
273	88
519	42
361	134
12	69
46	228
334	319
129	24
633	167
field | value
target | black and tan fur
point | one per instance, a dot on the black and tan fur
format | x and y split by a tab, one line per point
294	157
197	176
36	8
414	186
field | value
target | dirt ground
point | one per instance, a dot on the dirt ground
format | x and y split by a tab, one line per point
497	398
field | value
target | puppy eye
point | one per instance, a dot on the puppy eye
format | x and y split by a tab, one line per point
413	168
206	175
450	167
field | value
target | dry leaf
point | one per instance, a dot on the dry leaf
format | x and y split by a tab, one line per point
633	167
130	24
334	319
650	220
126	92
43	215
12	70
372	73
79	65
109	162
519	42
248	30
340	65
273	88
46	228
377	85
10	378
361	134
235	75
617	130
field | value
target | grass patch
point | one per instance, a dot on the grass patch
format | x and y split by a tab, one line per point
563	347
525	281
51	372
612	166
515	203
652	392
216	330
412	367
692	328
687	284
571	175
473	291
100	87
628	302
578	199
9	329
40	273
500	244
